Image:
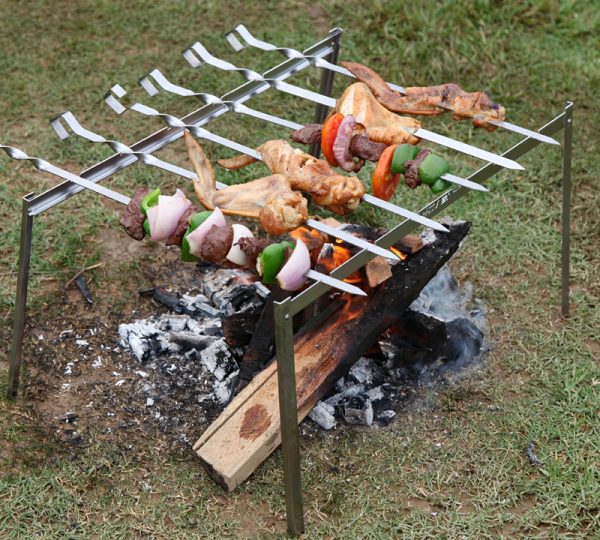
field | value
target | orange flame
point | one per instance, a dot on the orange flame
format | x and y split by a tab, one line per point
403	256
340	256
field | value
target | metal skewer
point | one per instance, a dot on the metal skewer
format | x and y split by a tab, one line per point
148	159
249	39
197	54
45	166
155	76
201	133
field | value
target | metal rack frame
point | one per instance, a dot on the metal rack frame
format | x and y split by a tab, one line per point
323	52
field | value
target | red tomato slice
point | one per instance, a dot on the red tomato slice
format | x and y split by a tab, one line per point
384	182
328	135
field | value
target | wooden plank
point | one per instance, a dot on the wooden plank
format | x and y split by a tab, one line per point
248	430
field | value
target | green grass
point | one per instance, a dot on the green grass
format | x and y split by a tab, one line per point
543	379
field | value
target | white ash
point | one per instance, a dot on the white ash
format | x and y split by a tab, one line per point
364	396
189	370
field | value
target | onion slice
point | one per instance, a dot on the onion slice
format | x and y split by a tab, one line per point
293	274
236	255
164	217
196	237
341	145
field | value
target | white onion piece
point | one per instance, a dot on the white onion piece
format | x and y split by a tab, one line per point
196	237
152	214
293	274
236	255
341	145
169	209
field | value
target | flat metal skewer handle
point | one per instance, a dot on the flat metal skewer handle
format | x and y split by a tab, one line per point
197	54
249	39
45	166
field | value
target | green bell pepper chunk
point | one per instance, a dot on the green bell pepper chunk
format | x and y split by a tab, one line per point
431	168
270	261
150	200
403	152
439	185
195	221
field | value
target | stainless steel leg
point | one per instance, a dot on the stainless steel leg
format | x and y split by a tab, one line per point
325	88
288	412
14	358
566	207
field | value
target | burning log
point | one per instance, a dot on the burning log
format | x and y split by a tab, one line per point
248	430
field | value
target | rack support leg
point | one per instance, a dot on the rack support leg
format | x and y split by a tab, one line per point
326	88
16	350
288	413
566	207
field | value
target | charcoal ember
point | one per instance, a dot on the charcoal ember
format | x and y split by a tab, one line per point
206	309
349	392
375	394
386	416
224	389
241	298
219	360
356	410
323	414
185	341
362	371
143	339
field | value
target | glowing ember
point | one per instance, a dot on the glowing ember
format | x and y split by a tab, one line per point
403	256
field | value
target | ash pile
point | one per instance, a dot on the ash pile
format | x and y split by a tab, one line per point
192	358
438	341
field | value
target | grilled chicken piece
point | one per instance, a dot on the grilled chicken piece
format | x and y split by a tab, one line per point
271	200
382	125
432	100
340	194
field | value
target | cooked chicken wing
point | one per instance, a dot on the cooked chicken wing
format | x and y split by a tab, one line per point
271	199
431	100
340	194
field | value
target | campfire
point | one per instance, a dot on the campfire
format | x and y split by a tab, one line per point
358	359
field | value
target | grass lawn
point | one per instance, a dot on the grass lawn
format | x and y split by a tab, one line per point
456	470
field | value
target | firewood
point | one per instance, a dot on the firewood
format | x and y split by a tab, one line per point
248	430
378	270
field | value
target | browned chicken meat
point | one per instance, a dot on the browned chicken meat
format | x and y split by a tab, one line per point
271	199
432	100
382	125
340	194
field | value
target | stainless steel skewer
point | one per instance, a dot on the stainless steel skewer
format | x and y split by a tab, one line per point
45	166
201	133
197	54
249	39
155	76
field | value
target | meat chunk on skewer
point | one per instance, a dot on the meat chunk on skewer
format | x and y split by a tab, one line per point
338	193
271	199
382	125
431	100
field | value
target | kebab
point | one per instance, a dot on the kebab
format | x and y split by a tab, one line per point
356	143
152	160
344	143
205	236
241	34
432	100
197	55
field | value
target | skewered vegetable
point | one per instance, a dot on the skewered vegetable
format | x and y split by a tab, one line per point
383	180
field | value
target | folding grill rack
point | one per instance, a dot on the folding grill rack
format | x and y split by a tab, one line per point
322	55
